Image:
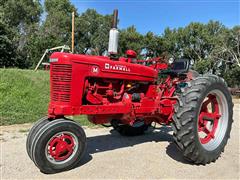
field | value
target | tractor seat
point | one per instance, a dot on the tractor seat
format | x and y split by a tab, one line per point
179	66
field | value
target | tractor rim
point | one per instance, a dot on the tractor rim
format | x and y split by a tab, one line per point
61	147
213	120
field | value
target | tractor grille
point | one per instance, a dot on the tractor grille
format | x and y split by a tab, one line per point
61	82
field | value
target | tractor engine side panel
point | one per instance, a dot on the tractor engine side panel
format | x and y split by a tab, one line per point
72	76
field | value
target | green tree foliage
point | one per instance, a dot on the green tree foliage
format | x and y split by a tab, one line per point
213	47
232	76
227	48
7	53
130	39
92	31
21	13
19	21
195	41
57	25
54	31
203	66
154	43
25	35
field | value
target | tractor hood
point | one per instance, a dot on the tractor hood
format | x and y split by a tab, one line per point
105	67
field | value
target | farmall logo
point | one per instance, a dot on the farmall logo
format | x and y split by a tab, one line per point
117	67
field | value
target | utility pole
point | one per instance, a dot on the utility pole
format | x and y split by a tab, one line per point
73	21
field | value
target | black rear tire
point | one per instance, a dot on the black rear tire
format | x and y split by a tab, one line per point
57	130
127	130
202	150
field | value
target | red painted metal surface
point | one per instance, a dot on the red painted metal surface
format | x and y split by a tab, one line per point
105	89
131	54
208	119
61	147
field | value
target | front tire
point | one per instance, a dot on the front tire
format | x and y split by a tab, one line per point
41	122
203	119
58	146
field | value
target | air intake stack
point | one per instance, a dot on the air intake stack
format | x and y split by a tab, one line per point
113	35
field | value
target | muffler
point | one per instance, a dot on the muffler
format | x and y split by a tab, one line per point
113	36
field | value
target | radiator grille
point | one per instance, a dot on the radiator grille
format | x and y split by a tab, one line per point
61	82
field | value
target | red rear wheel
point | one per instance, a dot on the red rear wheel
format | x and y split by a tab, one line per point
203	120
213	120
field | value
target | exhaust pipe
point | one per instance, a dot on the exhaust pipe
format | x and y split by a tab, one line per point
113	35
115	19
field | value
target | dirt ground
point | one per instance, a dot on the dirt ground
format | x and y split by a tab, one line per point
112	156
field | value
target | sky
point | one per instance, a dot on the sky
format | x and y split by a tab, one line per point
156	15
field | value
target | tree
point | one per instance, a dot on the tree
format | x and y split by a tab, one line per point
130	39
232	76
20	18
20	13
7	53
195	41
92	31
55	30
152	42
228	47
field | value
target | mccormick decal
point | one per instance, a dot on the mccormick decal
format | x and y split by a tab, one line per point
117	67
95	70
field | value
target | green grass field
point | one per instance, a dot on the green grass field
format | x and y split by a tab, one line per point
24	96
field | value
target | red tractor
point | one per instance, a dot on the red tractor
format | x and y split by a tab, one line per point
129	94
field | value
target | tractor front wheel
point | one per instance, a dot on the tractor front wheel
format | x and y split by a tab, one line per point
57	145
41	122
203	119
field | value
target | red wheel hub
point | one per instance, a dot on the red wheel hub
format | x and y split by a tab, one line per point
61	146
208	119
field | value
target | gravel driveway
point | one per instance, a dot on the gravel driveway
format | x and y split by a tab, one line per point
112	156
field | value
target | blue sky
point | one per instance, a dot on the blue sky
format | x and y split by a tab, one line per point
156	15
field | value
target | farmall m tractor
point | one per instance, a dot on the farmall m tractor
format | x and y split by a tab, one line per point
129	94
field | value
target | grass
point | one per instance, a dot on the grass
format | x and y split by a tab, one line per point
83	121
23	130
24	96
